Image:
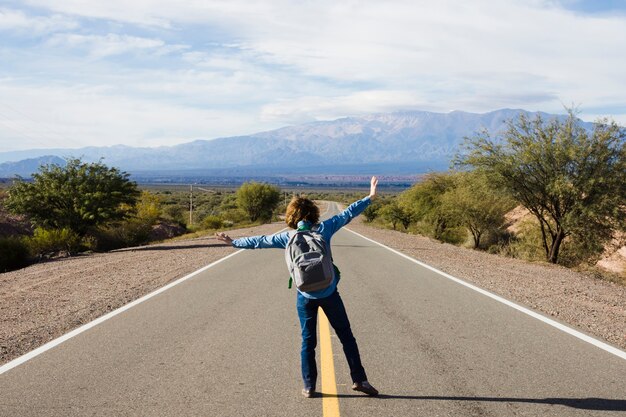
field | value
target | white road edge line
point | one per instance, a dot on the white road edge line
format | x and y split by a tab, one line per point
604	346
30	355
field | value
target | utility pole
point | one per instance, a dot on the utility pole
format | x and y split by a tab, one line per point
191	201
191	205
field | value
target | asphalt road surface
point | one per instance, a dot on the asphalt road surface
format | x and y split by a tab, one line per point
226	343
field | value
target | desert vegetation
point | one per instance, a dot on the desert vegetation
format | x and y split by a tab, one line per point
91	207
540	190
570	184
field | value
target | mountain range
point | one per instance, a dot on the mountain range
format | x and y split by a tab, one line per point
407	142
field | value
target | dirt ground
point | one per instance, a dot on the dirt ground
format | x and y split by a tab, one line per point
46	300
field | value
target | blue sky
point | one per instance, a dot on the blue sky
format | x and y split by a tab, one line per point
152	72
597	6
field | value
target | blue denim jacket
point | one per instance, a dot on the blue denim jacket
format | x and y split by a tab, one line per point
327	229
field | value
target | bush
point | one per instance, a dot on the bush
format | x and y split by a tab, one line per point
577	250
148	207
395	214
212	222
121	235
13	254
371	212
474	203
235	216
53	241
258	201
527	243
454	235
423	202
176	213
78	196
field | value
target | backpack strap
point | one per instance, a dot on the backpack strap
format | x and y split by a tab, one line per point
292	235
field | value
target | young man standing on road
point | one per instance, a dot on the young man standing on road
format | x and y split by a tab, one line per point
303	214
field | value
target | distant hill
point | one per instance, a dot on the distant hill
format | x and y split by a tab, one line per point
26	167
406	142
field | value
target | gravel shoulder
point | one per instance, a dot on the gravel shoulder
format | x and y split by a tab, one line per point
46	300
593	306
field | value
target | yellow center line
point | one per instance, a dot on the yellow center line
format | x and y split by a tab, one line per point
330	402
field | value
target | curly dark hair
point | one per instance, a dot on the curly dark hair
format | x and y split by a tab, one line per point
301	208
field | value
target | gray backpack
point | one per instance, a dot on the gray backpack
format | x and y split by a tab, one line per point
309	261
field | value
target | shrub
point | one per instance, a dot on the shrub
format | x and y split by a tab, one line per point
176	213
212	222
51	241
13	254
121	235
78	196
258	201
576	251
148	207
423	202
395	214
371	212
474	203
235	216
527	243
454	235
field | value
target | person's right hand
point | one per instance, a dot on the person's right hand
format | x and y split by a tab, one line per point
373	185
223	237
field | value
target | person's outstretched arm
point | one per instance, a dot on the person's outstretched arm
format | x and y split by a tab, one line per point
337	222
256	242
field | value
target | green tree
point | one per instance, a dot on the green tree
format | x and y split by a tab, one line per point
258	200
476	204
372	211
572	180
77	196
423	201
395	213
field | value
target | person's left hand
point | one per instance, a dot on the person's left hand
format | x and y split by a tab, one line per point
223	237
373	185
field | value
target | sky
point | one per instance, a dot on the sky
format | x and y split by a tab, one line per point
77	73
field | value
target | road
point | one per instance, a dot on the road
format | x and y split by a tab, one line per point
226	343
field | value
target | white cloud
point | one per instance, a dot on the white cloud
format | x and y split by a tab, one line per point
142	12
282	62
58	116
310	108
111	44
18	21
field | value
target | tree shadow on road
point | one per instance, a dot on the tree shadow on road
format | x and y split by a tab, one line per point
600	404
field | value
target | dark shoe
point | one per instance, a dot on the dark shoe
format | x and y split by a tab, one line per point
308	392
365	388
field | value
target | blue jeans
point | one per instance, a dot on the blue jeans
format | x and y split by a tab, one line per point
336	313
